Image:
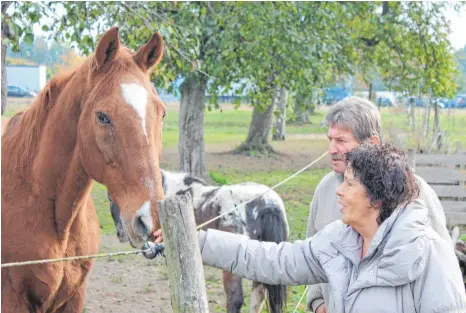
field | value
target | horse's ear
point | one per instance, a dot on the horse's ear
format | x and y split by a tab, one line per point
151	53
108	46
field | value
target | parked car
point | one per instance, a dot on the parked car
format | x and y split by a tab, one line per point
417	101
386	99
333	95
441	102
15	91
460	101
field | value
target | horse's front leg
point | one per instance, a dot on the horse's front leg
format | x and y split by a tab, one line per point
234	292
12	302
75	304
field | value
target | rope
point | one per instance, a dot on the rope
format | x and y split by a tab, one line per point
45	261
260	195
300	299
71	258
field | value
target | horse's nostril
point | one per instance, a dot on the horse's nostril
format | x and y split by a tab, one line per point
143	223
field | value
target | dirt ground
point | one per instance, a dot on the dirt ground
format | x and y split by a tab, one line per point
132	284
129	284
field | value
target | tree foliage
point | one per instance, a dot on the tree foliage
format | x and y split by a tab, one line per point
18	20
406	44
253	48
460	56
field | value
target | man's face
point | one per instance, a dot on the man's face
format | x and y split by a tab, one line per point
341	141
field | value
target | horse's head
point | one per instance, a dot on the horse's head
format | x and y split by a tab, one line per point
120	130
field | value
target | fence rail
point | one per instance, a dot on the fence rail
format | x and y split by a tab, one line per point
446	174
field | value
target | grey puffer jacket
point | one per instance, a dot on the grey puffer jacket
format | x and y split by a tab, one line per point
408	268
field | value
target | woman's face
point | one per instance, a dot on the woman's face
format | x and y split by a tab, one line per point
355	203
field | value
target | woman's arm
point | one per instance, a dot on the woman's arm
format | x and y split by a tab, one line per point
267	262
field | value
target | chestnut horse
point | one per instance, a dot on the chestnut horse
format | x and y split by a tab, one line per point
103	122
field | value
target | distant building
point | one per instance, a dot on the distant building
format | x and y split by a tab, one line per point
28	77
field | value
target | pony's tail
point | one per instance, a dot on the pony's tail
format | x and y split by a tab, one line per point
274	228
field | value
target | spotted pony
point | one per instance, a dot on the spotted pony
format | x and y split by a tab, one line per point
262	219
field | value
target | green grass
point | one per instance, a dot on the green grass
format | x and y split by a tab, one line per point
9	111
99	197
313	128
230	126
218	178
219	127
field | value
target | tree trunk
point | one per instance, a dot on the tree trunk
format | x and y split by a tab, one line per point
412	117
4	78
426	120
437	136
370	91
280	123
191	126
6	34
436	118
302	113
259	130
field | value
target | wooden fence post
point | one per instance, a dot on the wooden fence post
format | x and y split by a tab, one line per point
186	273
411	158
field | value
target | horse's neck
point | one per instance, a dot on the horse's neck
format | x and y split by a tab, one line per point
57	171
57	146
199	189
72	196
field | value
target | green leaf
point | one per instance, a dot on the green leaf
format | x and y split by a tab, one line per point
28	38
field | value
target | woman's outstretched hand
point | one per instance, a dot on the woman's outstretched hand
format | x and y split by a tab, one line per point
158	236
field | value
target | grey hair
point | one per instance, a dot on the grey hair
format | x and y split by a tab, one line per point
358	114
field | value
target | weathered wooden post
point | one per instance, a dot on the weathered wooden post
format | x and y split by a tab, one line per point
411	159
186	273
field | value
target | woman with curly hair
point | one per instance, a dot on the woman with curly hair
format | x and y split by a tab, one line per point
381	257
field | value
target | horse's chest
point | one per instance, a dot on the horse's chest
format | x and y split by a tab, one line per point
58	282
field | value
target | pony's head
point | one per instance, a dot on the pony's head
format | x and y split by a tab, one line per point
120	129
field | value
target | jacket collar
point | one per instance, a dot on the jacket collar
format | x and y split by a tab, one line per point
397	245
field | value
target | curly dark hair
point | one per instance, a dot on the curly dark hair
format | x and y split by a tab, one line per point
385	174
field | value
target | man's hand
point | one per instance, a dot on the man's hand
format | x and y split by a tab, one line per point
158	236
321	308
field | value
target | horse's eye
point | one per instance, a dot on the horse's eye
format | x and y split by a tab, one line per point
164	114
102	118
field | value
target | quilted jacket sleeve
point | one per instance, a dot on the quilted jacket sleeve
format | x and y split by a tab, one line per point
267	262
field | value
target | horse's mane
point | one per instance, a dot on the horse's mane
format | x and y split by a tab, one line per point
19	145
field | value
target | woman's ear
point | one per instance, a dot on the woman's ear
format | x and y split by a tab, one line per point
375	140
376	204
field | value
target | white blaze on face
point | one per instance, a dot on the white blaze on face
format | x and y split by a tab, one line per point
136	96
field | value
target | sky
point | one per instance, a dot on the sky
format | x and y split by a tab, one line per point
457	36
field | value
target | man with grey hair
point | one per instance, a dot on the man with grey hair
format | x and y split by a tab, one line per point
351	122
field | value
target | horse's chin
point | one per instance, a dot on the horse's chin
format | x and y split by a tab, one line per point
126	234
138	244
136	241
